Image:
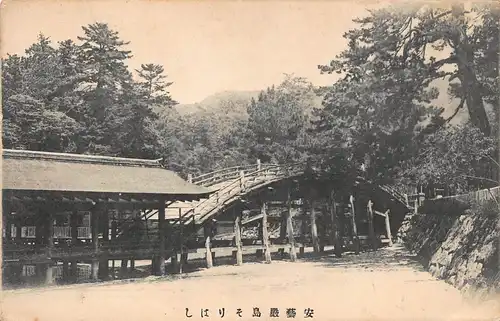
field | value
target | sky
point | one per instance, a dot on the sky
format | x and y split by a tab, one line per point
205	46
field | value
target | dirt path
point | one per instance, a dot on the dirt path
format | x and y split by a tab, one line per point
386	285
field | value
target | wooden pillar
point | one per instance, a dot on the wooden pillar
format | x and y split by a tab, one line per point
321	232
94	218
355	238
237	238
73	221
49	242
208	253
124	267
303	228
6	225
388	227
289	228
371	231
181	240
65	272
103	261
314	228
161	232
265	233
335	227
283	227
113	244
242	181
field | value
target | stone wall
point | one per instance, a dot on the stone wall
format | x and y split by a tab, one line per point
461	248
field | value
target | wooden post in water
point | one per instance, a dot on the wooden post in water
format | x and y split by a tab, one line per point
265	233
371	231
355	238
289	228
388	227
237	238
314	228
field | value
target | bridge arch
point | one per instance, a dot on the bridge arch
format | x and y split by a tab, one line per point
236	183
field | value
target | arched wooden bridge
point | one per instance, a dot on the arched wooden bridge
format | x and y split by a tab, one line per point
229	184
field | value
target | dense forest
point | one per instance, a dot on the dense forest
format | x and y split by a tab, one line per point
380	119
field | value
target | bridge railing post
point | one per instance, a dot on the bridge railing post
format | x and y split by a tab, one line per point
242	177
421	199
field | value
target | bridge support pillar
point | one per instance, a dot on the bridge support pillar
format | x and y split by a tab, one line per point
303	229
208	253
355	238
388	227
335	224
314	227
265	233
237	238
160	259
371	231
289	228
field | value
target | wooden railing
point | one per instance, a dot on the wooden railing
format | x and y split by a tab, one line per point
84	232
62	232
237	181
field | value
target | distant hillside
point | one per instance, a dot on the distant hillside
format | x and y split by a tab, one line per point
235	102
228	101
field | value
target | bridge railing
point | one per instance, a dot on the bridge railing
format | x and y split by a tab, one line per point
236	185
239	185
225	174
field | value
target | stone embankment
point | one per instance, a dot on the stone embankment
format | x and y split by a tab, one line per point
457	242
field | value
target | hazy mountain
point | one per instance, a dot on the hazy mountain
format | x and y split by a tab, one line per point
235	102
227	101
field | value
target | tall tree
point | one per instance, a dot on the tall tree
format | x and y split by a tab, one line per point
103	54
33	115
278	120
382	108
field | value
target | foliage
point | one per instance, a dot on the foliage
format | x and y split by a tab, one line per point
379	120
380	113
452	157
278	121
82	97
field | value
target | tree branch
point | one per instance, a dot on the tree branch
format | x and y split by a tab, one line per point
481	178
460	106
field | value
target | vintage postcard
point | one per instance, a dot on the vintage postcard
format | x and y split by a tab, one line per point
250	160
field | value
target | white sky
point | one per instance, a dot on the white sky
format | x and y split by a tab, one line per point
205	47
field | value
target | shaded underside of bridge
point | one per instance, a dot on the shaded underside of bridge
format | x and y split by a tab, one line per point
302	190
